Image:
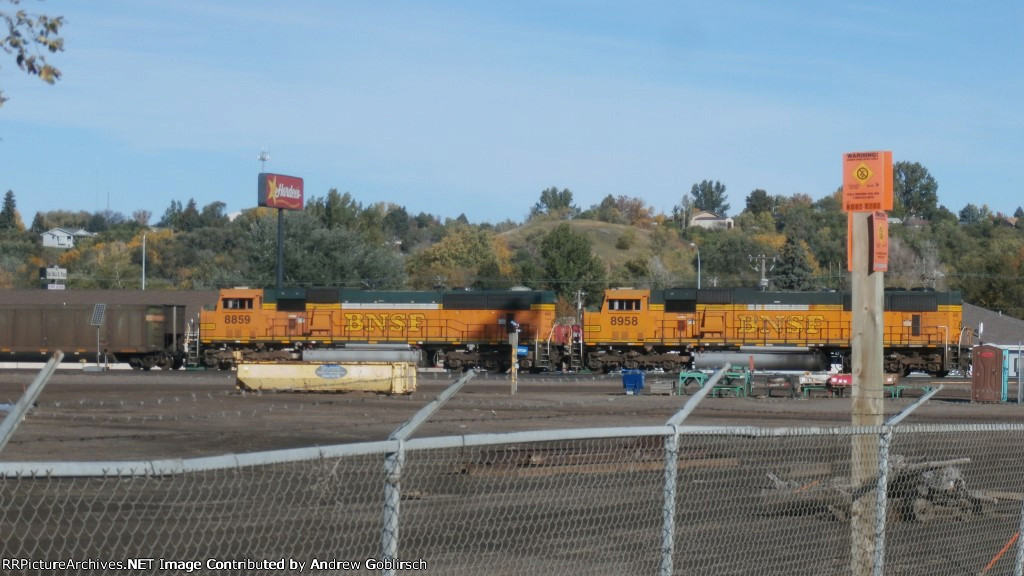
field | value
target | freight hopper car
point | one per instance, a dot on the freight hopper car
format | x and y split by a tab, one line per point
690	328
451	329
144	336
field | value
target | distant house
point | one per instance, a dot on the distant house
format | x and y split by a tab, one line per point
61	238
711	221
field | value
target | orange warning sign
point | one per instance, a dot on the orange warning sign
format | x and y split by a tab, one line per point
867	181
879	241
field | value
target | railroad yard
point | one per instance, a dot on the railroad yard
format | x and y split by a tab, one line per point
130	415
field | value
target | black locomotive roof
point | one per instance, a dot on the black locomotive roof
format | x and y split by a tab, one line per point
907	300
449	299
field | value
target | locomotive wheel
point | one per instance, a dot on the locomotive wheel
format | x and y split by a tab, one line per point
165	361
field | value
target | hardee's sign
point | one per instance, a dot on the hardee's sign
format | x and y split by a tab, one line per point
280	191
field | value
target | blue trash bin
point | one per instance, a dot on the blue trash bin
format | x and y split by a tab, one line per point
633	381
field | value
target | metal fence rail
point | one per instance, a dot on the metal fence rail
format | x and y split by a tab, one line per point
642	500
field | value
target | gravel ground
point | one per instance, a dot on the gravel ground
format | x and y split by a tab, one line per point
127	415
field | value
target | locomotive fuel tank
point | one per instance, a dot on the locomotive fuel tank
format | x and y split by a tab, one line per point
765	359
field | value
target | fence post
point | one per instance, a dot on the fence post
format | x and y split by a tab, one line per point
392	498
881	501
394	462
668	531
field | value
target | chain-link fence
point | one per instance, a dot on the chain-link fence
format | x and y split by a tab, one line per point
615	501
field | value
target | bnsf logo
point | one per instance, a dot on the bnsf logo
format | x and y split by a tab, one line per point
778	324
358	322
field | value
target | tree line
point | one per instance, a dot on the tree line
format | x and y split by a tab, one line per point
777	242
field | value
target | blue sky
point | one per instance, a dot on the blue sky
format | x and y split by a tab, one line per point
475	107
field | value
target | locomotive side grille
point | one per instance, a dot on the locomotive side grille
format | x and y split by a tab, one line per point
715	296
467	301
912	302
680	306
322	296
291	305
489	301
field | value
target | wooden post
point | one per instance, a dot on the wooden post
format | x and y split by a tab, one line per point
867	360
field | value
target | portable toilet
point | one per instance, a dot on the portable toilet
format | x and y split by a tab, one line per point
990	373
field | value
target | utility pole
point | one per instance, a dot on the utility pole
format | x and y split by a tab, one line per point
763	268
579	305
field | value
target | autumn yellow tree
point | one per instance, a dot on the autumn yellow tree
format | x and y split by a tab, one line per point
466	256
29	38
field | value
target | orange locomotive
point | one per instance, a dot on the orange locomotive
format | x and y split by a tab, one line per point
678	328
454	329
672	329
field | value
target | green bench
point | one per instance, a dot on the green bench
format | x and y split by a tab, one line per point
735	391
690	377
895	391
735	382
808	388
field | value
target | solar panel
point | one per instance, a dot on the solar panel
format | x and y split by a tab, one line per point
97	314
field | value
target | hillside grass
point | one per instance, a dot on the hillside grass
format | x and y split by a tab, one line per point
675	255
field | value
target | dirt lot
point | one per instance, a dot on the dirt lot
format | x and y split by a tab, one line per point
125	415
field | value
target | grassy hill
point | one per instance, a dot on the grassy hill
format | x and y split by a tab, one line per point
617	244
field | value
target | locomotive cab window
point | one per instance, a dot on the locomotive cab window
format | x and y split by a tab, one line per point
238	303
624	304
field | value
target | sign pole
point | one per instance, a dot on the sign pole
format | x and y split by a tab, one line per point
284	193
867	409
98	312
280	249
867	193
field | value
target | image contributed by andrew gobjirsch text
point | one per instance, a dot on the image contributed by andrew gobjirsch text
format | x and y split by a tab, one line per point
291	565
